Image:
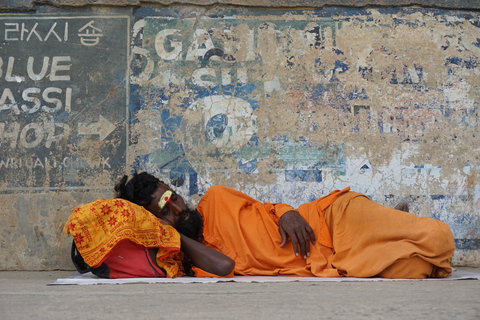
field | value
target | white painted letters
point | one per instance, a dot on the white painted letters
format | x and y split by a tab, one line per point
161	40
58	71
59	67
36	76
28	32
36	102
55	99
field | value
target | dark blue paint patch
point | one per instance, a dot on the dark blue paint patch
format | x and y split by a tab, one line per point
454	60
388	197
467	244
318	37
419	87
171	122
247	166
447	111
316	92
64	116
244	91
419	70
201	92
466	198
437	197
313	175
253	103
357	108
184	173
394	79
136	66
355	95
477	44
138	163
135	102
177	178
341	66
280	138
471	63
366	72
338	51
253	142
412	24
365	167
215	127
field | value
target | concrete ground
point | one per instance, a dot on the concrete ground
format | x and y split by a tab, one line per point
25	295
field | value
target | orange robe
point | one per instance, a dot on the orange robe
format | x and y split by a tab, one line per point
373	240
246	230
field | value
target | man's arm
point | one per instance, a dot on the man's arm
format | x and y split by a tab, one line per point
292	224
206	258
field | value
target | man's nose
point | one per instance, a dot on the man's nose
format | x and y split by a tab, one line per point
175	208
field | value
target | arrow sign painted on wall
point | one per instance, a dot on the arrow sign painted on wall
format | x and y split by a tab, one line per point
103	128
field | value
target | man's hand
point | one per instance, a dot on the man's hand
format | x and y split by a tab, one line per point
291	224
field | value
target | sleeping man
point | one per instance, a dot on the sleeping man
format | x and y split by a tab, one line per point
341	234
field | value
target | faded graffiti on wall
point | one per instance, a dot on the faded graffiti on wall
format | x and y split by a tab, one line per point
289	106
62	101
285	106
207	79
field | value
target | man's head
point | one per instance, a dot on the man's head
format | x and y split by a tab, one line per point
139	189
146	190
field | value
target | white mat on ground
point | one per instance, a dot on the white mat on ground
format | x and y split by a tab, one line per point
89	278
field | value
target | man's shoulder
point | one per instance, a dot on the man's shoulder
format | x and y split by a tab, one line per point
227	194
218	188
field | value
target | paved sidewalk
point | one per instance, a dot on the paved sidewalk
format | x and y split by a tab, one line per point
25	295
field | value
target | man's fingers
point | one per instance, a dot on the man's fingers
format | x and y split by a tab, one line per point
294	226
311	234
293	238
284	237
304	243
307	244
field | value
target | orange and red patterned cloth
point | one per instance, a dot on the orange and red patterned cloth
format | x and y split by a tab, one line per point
101	227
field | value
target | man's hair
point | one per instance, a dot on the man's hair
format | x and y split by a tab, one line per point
138	189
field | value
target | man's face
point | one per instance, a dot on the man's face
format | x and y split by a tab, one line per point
171	211
190	224
176	213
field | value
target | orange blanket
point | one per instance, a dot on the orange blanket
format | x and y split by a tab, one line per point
353	238
99	226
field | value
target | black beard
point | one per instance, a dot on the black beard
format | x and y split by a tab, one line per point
190	224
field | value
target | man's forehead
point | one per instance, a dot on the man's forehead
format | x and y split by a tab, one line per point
164	187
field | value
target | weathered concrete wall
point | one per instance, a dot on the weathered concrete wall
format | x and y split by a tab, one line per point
284	105
449	4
